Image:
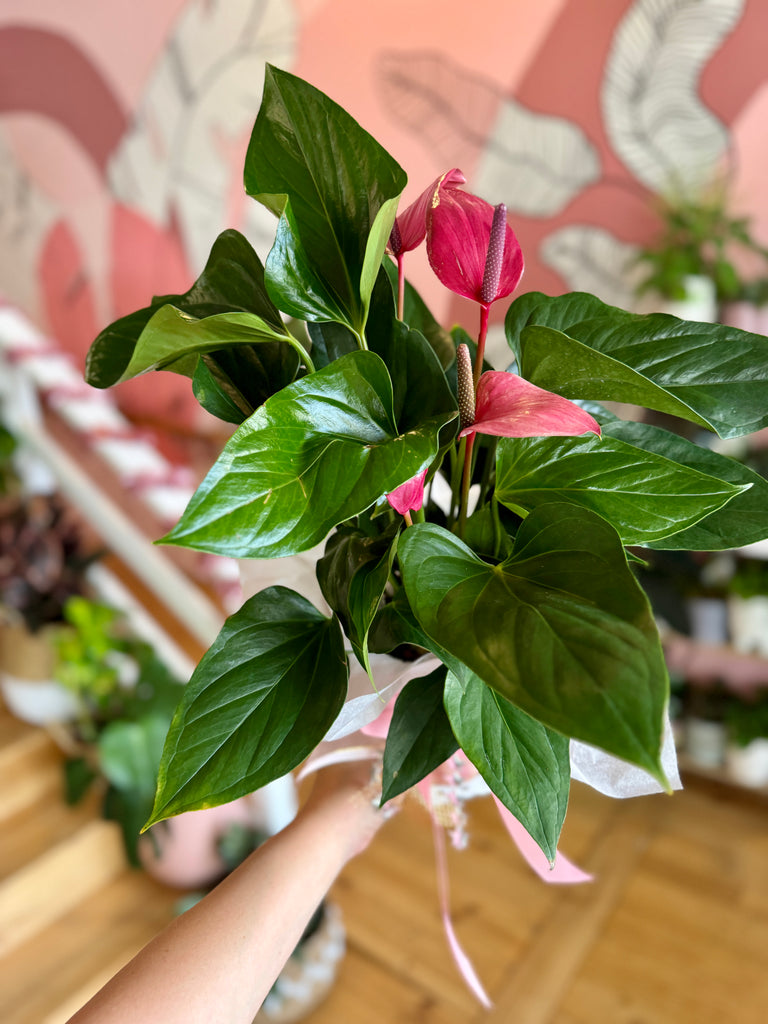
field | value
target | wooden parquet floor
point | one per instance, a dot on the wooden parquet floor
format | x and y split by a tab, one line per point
673	930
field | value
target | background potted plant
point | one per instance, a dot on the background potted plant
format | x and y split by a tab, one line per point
43	563
746	722
485	518
694	263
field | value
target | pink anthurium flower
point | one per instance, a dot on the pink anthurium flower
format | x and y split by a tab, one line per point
408	497
410	226
509	406
471	248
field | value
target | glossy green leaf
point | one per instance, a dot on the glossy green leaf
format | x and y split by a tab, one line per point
643	494
335	190
353	575
743	520
233	280
172	336
561	628
261	699
330	341
710	374
395	625
250	374
420	738
321	451
525	764
216	398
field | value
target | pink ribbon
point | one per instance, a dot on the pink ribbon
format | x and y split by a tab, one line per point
446	777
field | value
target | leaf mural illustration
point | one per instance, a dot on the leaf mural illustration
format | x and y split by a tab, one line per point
591	259
451	110
653	114
189	133
534	163
26	219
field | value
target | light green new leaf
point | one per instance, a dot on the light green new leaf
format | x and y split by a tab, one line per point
560	628
173	338
322	450
644	495
261	699
232	281
525	764
710	374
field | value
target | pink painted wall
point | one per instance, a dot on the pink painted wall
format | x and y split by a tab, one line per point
123	126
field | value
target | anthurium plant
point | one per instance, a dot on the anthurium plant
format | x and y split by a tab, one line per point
489	517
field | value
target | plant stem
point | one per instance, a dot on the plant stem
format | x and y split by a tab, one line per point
457	462
466	481
400	287
484	311
407	518
303	354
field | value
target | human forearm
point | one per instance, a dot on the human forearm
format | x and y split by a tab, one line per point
219	960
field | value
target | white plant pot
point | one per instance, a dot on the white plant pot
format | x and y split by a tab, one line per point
748	766
39	702
748	624
700	303
705	742
26	677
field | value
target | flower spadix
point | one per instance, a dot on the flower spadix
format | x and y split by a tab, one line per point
470	246
509	406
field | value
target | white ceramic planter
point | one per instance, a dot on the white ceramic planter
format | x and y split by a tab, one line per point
26	677
748	766
39	702
700	303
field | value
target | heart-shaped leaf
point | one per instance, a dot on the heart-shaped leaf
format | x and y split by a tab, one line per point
525	764
233	280
261	699
335	189
561	628
645	495
710	374
420	737
317	453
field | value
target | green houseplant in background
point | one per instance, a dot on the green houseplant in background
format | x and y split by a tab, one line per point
700	238
125	698
484	517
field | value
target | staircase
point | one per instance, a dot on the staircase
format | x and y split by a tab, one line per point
72	911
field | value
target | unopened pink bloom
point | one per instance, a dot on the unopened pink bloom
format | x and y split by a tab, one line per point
509	406
471	248
411	225
408	497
